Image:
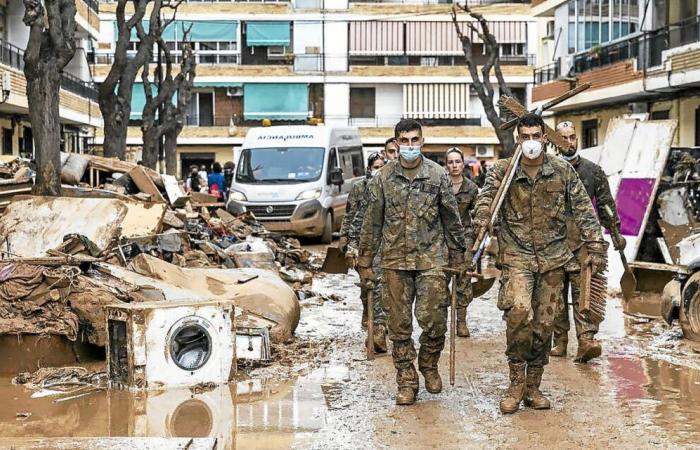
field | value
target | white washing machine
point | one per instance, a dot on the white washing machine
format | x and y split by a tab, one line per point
153	345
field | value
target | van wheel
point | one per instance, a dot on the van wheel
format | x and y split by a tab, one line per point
327	236
689	314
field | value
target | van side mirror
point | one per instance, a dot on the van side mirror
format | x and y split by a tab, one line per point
336	176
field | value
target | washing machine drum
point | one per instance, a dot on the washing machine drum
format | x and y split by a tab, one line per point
190	343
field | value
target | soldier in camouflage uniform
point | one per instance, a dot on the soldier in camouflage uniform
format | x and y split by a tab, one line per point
391	149
349	234
533	254
596	184
465	191
412	215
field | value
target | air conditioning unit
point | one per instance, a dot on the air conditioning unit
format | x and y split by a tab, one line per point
276	52
236	91
484	151
6	81
639	107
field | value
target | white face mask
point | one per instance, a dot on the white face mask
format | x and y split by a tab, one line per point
531	149
374	172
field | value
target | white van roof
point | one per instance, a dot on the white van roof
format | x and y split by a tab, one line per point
301	136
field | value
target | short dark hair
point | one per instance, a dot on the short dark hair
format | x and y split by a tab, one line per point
216	167
406	125
530	120
389	141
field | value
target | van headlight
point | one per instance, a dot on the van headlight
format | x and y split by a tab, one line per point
238	196
311	194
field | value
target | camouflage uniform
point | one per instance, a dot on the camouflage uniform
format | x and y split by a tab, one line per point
412	221
466	199
352	223
533	250
596	184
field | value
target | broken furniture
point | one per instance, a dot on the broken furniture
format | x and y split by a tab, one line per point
154	345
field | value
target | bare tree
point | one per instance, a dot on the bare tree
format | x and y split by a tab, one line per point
482	81
49	49
171	122
116	90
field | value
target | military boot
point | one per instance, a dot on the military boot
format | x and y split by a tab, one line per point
462	330
380	338
428	366
560	343
407	379
588	348
534	398
510	402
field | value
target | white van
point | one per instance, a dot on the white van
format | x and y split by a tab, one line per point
296	179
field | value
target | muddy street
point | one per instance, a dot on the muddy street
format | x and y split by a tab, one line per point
321	393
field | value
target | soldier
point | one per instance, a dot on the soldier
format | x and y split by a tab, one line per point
533	254
465	191
391	149
349	234
596	184
412	215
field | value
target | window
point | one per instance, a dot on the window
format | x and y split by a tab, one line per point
589	133
351	161
362	102
201	109
596	22
660	115
7	141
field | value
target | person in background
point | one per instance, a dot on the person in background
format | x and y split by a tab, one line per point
349	243
465	191
391	149
229	170
193	181
203	179
216	181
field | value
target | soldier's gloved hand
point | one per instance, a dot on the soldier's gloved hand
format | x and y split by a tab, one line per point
367	277
343	243
351	256
619	242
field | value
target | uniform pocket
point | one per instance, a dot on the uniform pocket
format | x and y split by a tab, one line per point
505	293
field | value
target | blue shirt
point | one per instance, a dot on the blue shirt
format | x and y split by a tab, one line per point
216	178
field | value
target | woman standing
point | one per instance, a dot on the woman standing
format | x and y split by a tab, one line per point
465	190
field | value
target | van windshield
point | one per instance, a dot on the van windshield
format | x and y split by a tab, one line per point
280	165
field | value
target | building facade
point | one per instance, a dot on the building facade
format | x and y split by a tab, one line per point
642	59
335	62
79	111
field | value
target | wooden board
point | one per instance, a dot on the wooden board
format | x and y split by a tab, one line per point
145	184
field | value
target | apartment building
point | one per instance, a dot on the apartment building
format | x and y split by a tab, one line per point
641	57
79	111
337	62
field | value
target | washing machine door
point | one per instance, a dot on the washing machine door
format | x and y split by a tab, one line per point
190	343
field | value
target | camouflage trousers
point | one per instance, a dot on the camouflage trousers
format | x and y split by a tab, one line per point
426	292
377	303
530	302
582	323
464	292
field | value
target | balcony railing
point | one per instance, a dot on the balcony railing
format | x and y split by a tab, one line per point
77	86
93	5
548	73
441	2
11	55
390	120
646	48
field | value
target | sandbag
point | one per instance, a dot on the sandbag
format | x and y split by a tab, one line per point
73	170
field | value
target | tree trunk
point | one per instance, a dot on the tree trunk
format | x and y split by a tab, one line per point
149	151
171	151
43	98
115	128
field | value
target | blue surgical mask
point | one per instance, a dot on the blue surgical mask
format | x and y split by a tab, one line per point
409	152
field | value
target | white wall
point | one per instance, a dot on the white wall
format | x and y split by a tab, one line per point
306	34
336	42
336	103
17	31
388	105
561	22
335	4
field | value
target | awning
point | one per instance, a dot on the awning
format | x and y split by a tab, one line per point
217	84
436	100
289	101
138	99
200	31
439	38
265	34
376	38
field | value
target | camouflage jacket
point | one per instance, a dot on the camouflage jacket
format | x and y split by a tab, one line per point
411	221
466	199
596	184
532	232
354	208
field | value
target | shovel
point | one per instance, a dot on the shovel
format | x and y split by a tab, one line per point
628	283
335	261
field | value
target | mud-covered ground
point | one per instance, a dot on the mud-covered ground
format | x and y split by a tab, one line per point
321	393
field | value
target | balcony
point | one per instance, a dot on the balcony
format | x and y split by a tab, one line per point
548	73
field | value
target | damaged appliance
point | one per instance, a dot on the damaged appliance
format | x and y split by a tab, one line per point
153	345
